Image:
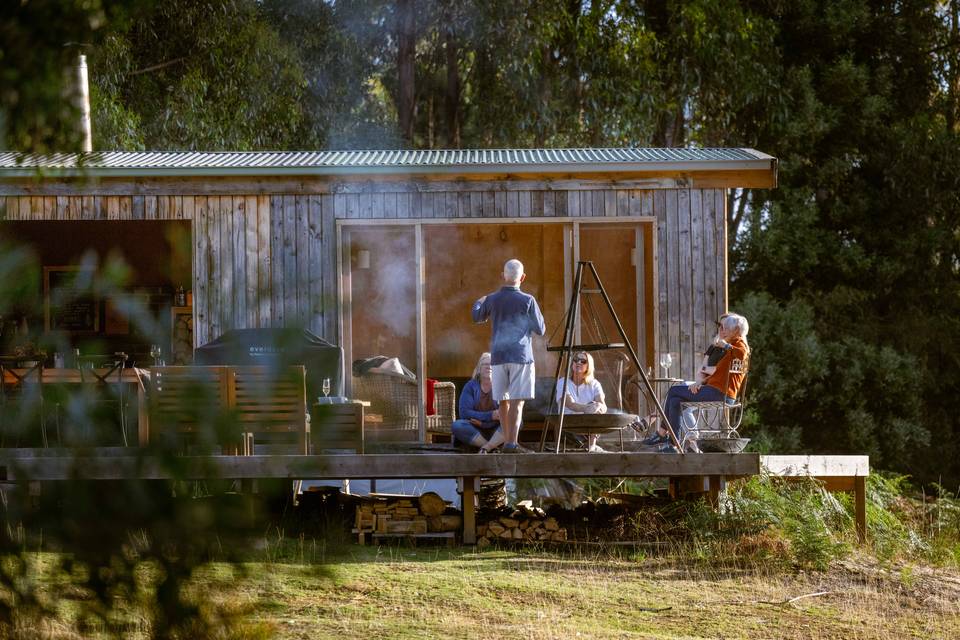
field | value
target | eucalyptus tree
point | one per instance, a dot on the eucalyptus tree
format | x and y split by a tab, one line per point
207	74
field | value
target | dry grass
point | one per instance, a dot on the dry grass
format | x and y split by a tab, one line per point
417	593
776	562
396	592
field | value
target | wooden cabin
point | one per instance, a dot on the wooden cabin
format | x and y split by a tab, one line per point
383	252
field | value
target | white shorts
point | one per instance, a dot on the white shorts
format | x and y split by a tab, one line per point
513	381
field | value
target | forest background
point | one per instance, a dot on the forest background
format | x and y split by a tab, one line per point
849	271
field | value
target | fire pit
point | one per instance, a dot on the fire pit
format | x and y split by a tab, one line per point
590	424
593	423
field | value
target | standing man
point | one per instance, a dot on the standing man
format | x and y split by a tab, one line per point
516	318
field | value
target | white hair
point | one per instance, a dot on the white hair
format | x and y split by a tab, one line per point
513	270
738	322
476	370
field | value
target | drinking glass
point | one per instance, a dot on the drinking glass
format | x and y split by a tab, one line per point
326	387
155	353
666	360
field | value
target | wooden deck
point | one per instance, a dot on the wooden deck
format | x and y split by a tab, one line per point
710	470
36	465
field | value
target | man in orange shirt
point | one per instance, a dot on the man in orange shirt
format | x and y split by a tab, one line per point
721	385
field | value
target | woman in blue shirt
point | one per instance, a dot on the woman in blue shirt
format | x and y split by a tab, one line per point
479	423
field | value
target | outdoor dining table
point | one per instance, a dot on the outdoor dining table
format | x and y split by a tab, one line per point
74	376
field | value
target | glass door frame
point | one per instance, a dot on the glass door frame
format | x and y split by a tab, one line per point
571	249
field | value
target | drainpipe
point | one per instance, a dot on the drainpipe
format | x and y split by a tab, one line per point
82	98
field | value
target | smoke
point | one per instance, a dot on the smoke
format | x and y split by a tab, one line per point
391	291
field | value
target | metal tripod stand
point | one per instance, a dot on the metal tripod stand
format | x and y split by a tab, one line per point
568	347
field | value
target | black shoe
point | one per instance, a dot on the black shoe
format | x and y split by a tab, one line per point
654	440
516	448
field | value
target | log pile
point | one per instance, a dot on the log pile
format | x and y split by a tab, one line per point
492	494
403	515
522	525
182	350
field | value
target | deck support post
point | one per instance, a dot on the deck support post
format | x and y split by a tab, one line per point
860	507
469	510
718	485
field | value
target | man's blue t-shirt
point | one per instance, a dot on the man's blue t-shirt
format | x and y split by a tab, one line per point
516	317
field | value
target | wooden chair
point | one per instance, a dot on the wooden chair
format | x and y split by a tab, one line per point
396	401
21	403
232	408
106	373
188	406
718	420
270	406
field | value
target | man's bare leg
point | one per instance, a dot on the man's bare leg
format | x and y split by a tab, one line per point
511	427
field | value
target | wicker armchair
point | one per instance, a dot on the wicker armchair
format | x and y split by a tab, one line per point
395	399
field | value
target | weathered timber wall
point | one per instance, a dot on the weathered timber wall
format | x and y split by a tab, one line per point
270	260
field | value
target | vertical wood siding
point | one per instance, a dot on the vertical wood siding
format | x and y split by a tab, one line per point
270	260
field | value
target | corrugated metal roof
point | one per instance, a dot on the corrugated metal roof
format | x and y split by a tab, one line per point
126	163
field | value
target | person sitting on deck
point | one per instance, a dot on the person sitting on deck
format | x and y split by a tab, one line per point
479	423
711	358
584	393
722	384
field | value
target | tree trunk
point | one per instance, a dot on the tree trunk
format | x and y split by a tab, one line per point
953	75
740	197
406	49
452	97
544	120
671	123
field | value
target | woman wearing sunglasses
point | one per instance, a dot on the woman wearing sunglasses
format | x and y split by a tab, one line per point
584	393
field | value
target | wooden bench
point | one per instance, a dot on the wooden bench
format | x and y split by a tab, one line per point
228	407
846	474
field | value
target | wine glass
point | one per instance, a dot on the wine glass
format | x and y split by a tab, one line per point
325	388
155	353
666	360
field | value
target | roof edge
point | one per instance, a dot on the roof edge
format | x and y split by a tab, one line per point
760	164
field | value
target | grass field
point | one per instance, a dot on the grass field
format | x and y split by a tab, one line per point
778	561
401	592
429	593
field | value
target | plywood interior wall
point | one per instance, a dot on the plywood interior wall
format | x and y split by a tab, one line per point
464	262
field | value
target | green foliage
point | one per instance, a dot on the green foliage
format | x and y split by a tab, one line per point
769	519
843	270
198	75
39	44
814	524
127	550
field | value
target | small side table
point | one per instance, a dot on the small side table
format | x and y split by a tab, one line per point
337	426
660	386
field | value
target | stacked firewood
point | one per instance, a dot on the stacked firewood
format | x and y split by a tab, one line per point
182	352
524	524
492	494
402	515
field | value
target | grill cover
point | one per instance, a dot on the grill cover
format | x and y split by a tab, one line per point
279	347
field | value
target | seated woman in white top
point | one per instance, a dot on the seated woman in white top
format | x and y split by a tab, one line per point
584	393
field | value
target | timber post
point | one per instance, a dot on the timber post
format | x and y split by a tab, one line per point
469	510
